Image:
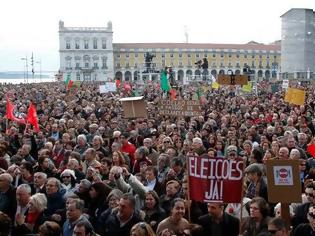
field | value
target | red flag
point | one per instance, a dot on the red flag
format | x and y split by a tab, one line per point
31	117
173	94
70	84
311	150
117	83
127	86
10	113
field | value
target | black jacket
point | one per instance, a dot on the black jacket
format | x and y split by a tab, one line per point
113	228
229	225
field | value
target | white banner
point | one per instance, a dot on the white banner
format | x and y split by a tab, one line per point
108	87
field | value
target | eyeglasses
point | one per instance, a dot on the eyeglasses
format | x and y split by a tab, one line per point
166	142
66	176
312	215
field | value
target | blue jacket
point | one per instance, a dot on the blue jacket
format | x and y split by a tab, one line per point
55	202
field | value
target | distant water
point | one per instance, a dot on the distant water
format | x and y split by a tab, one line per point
17	77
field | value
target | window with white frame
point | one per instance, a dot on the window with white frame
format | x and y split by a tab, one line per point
103	44
86	44
94	43
78	76
68	45
95	65
104	62
77	45
69	63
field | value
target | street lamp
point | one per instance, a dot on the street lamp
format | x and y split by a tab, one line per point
26	65
40	70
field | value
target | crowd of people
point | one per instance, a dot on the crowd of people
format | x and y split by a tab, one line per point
90	171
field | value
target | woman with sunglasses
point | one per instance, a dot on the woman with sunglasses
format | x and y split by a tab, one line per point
68	181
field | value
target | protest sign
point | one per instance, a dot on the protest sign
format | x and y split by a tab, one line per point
215	179
285	84
108	87
283	177
134	107
295	96
247	88
180	107
232	79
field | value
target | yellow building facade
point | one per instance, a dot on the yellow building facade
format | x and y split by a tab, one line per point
263	59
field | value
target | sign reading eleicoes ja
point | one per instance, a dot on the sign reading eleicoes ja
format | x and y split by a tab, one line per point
215	179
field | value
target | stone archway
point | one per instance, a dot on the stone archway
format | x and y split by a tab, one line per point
119	75
260	74
128	76
180	75
267	74
221	72
237	72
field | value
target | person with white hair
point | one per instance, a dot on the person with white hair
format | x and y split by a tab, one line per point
7	195
30	223
97	144
82	144
198	146
23	196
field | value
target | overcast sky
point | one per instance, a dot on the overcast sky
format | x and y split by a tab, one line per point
32	25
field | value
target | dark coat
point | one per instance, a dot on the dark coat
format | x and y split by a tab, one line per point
55	202
157	215
8	202
113	228
229	225
300	215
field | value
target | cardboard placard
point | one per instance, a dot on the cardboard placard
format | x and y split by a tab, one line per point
284	184
180	108
134	107
295	96
232	79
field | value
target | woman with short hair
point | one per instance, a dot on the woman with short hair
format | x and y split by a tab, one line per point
33	218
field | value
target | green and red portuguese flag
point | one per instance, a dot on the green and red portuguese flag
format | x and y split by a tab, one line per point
69	81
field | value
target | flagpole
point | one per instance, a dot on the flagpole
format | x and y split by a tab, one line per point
242	203
188	190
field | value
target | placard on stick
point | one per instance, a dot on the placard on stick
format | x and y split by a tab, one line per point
284	184
134	107
180	107
232	79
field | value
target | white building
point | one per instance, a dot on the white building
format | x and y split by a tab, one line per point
298	44
86	53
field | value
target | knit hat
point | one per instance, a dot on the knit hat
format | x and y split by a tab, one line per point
231	148
68	172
